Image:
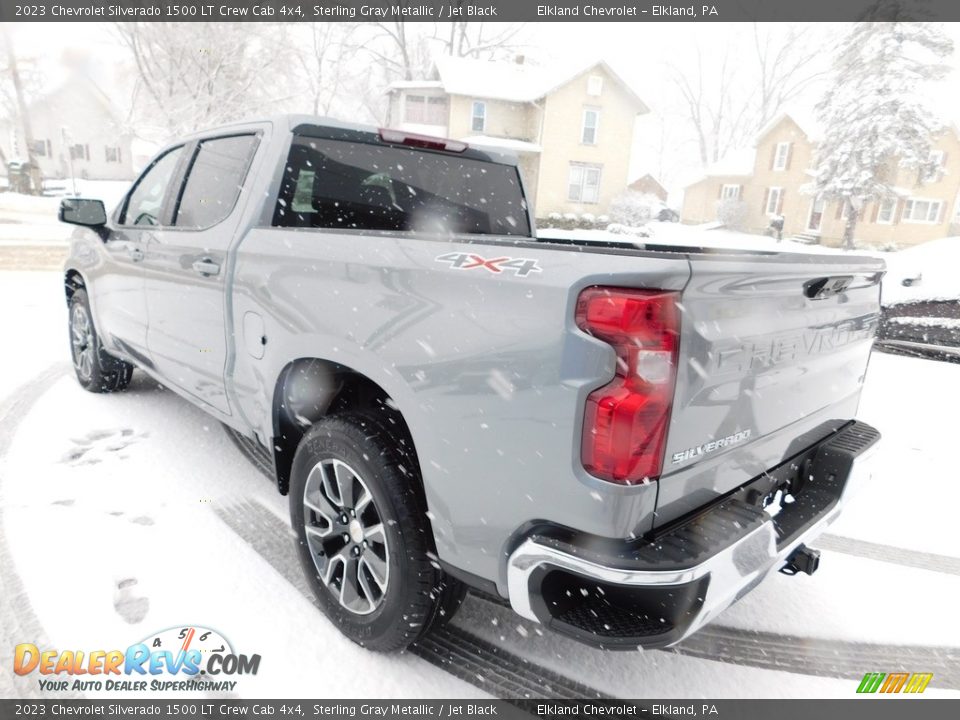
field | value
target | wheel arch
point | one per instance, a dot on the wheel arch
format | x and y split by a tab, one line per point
73	280
308	389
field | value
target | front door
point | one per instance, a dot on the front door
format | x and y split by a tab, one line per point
120	302
186	270
816	214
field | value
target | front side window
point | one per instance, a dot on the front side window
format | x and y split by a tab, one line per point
214	180
591	126
478	118
371	186
584	183
146	200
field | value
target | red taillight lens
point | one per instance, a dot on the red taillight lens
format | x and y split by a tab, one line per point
625	425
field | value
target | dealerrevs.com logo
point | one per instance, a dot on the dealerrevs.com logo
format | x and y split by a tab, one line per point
176	659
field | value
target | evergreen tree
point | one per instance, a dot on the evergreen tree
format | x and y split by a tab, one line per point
875	116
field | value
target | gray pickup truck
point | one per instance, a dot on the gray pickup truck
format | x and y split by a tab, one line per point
621	440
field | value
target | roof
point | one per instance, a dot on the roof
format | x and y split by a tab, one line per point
736	162
646	176
509	81
803	118
498	143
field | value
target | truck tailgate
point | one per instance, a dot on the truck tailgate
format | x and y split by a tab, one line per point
773	355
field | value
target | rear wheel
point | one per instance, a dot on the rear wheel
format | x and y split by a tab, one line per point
97	370
363	535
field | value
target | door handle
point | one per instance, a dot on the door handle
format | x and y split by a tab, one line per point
135	253
206	267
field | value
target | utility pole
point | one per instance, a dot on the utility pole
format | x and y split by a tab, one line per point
65	141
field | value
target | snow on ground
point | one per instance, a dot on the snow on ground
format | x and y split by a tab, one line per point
933	322
29	219
932	268
110	513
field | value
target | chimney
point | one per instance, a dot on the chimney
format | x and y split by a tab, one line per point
519	59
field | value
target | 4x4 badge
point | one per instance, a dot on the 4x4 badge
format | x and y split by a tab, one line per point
472	261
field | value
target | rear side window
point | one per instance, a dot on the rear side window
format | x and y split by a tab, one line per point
214	180
361	186
146	200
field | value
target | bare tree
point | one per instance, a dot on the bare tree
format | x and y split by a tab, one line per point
728	96
12	71
785	66
192	75
714	109
479	39
405	50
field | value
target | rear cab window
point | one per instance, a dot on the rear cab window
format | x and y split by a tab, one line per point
351	185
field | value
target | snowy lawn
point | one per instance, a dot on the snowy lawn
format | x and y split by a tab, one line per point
29	219
932	269
112	513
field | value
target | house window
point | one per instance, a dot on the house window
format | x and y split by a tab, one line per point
774	202
886	211
591	126
730	192
781	156
478	118
595	85
40	148
933	170
79	152
425	109
584	183
112	154
917	210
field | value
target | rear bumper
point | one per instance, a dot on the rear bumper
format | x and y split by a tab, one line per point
657	591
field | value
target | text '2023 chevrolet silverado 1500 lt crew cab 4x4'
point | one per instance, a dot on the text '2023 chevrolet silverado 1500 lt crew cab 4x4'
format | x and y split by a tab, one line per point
620	440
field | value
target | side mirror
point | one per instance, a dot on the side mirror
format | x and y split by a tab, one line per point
78	211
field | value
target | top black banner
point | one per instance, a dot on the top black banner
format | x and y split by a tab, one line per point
489	11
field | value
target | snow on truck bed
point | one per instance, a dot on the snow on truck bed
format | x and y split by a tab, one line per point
932	268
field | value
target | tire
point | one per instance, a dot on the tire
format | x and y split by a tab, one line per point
97	370
372	575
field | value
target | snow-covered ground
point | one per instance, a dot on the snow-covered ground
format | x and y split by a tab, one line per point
32	220
931	269
119	515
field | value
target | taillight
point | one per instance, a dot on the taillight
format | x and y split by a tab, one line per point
625	425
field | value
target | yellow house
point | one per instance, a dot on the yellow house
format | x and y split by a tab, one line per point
773	178
571	130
